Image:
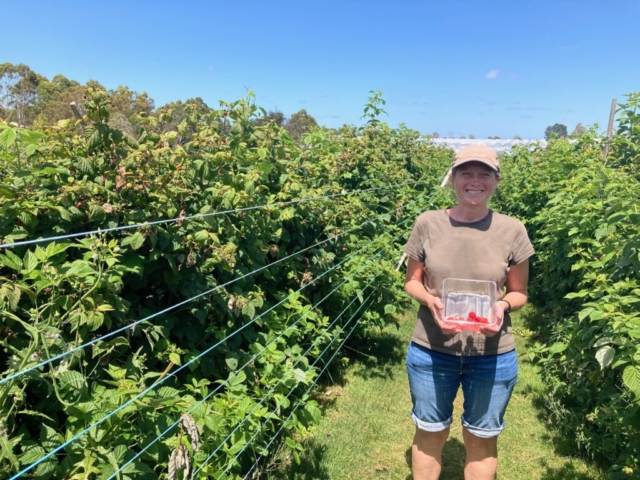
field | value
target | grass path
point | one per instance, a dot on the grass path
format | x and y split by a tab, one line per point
366	431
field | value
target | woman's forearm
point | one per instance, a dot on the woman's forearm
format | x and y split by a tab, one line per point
517	300
416	290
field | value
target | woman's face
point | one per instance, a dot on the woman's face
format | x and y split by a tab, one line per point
474	182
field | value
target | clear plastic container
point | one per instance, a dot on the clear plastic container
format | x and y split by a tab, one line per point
468	303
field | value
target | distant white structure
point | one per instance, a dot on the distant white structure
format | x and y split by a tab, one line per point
499	145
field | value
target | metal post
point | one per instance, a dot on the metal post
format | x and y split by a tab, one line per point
612	115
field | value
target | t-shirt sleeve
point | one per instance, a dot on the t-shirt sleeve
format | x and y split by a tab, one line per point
522	247
415	245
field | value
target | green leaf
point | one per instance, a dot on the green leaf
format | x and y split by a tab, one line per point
81	269
585	313
232	360
580	294
605	356
30	261
11	260
631	378
7	137
32	455
168	392
46	468
175	358
237	379
135	241
92	135
299	375
390	309
133	263
116	372
7	192
71	380
249	310
558	347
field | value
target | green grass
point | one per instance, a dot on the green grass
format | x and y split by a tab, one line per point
366	432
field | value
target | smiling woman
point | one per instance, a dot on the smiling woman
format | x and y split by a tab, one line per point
467	241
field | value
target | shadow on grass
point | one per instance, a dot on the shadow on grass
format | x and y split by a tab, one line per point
566	472
377	353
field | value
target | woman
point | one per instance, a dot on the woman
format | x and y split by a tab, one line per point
468	241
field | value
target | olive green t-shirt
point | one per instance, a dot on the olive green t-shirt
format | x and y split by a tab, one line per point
481	250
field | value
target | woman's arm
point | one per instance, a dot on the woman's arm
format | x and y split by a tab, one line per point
516	296
517	281
414	286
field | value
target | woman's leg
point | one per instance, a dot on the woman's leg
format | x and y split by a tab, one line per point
487	384
426	454
434	379
482	457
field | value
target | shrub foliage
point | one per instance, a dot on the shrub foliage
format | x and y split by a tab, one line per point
144	383
582	213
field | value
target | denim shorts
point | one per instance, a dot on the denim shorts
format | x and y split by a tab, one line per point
487	383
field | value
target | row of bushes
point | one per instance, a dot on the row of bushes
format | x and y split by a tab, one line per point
80	176
581	211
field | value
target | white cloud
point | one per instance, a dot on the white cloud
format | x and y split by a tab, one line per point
492	74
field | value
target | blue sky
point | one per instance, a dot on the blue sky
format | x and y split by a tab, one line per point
455	67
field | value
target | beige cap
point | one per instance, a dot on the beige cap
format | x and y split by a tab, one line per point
477	153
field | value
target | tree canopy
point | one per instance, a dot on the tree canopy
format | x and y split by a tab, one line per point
557	130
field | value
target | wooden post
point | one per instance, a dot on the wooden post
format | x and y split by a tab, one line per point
76	112
612	115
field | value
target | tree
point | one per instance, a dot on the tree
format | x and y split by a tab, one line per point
579	130
64	83
52	111
272	116
435	135
174	114
18	91
555	131
299	123
128	102
517	137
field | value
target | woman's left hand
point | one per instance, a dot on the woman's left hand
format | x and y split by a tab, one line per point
498	315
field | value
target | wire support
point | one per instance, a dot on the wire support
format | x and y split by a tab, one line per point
266	396
296	406
175	424
147	390
192	217
184	302
290	392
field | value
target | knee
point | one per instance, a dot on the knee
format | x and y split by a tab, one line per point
428	440
479	447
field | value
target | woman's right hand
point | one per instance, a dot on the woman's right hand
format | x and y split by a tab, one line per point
436	307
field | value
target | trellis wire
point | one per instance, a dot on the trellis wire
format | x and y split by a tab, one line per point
168	429
179	304
266	396
289	394
300	403
144	392
191	217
